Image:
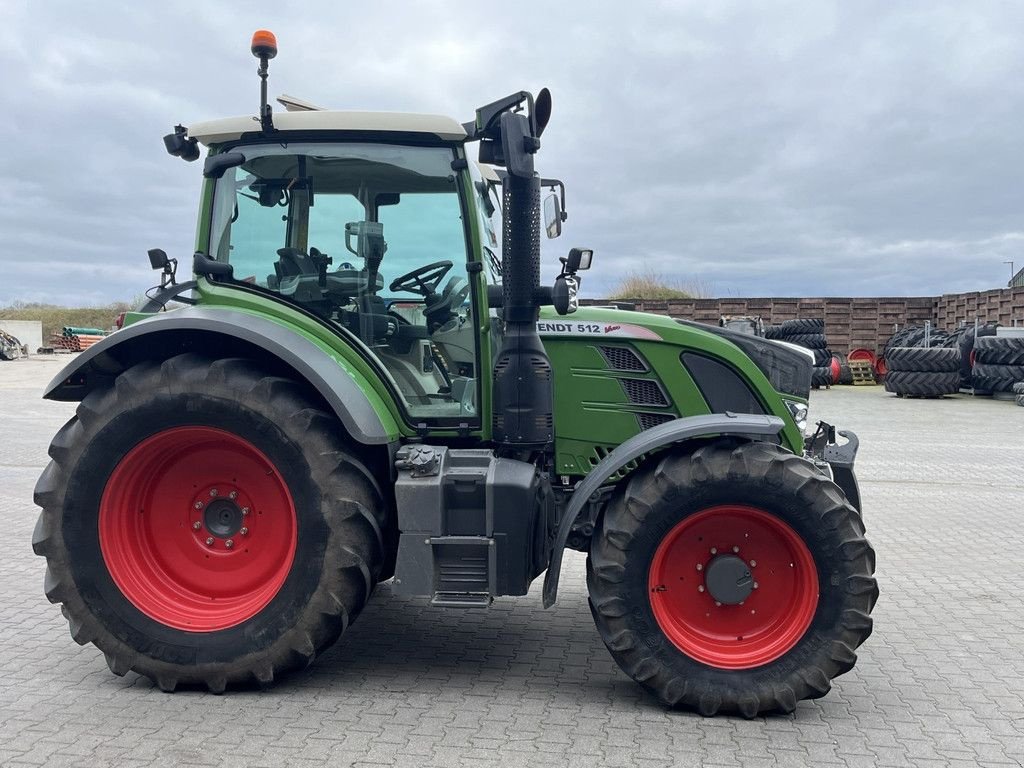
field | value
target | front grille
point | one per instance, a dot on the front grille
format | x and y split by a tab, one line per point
644	392
622	359
648	420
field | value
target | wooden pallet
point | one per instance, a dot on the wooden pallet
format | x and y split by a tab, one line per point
862	372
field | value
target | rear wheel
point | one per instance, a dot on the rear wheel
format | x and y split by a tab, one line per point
203	523
735	579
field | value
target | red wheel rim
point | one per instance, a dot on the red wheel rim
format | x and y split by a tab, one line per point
834	369
880	367
861	354
768	622
197	528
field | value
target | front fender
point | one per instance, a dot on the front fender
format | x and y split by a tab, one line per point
676	431
168	333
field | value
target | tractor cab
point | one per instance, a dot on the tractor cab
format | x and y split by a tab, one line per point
367	223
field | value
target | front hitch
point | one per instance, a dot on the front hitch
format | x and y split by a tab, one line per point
822	448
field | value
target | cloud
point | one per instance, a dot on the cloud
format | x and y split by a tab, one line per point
798	148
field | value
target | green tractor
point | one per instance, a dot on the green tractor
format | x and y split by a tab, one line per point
368	382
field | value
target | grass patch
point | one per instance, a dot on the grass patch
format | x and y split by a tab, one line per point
652	286
54	317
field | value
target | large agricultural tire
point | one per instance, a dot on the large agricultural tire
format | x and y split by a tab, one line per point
923	359
803	325
999	350
845	374
774	332
152	478
1018	388
822	357
793	531
808	340
996	378
821	376
966	343
922	384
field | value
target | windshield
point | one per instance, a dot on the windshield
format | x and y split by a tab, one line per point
370	237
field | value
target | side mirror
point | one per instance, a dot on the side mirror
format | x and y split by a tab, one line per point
579	259
565	294
158	258
552	216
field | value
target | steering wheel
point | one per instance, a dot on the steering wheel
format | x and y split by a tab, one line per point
422	280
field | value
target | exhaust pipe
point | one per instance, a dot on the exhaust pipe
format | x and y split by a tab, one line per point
523	399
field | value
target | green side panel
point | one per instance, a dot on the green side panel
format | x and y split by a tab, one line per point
212	295
592	411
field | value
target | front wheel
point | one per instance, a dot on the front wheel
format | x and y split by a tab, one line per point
732	579
203	523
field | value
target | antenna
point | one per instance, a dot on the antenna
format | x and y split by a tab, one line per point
264	48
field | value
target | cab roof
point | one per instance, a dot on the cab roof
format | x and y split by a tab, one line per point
232	128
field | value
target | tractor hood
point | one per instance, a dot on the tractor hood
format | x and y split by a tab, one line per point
787	370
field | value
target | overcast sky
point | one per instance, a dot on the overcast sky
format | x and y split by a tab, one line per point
770	148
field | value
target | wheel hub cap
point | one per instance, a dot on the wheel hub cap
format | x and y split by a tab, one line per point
729	580
223	518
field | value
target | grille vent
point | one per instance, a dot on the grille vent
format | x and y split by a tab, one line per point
622	359
648	420
644	392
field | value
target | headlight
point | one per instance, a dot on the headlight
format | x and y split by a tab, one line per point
799	413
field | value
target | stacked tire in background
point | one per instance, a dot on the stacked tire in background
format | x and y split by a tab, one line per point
998	363
810	334
963	339
1018	391
922	371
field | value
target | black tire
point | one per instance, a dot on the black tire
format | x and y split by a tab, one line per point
926	359
339	516
657	498
809	340
822	357
803	325
1018	388
1019	399
966	343
821	376
845	374
774	332
999	350
921	384
996	378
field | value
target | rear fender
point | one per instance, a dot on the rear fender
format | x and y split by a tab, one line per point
750	426
221	332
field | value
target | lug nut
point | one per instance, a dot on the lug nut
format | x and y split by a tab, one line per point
244	531
229	543
718	604
245	511
735	549
700	588
714	550
233	495
198	505
213	492
756	585
700	567
196	525
209	541
753	563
